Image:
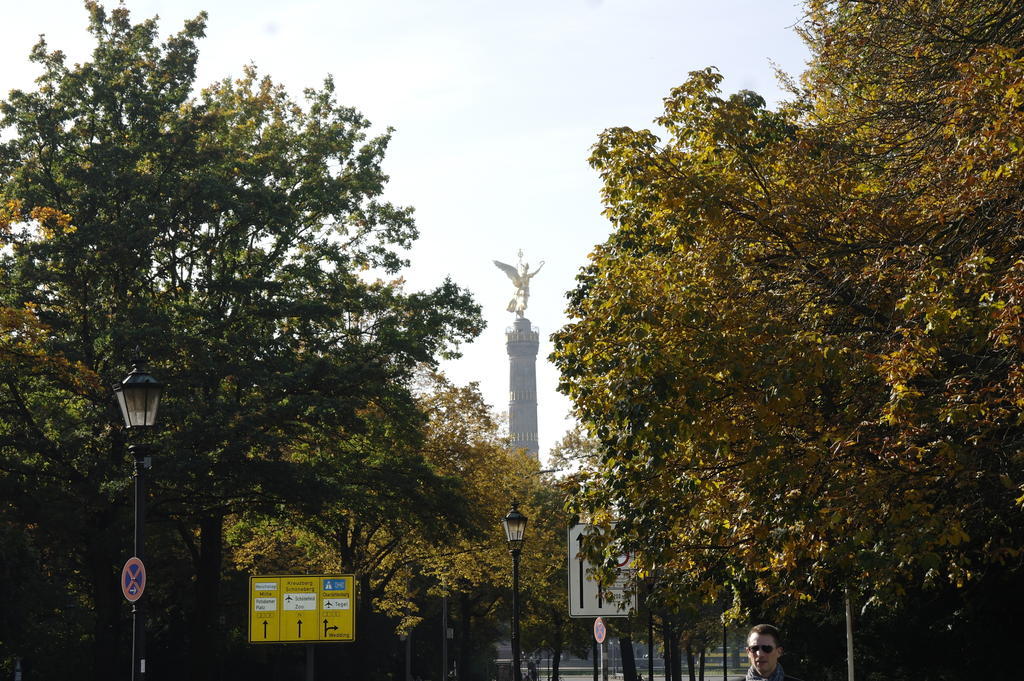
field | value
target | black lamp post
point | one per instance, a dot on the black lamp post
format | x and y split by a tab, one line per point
515	528
138	395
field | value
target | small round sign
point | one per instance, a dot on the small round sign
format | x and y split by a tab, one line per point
600	631
133	579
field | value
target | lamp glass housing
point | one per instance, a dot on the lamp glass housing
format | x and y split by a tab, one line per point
515	527
139	398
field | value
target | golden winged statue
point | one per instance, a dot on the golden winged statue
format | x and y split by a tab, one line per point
521	278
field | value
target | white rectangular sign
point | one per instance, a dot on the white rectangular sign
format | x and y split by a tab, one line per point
265	604
587	598
300	602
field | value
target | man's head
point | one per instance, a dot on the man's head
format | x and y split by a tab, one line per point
764	647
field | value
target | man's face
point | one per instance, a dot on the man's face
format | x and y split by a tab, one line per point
764	663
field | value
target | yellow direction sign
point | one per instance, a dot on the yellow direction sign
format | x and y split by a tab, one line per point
302	608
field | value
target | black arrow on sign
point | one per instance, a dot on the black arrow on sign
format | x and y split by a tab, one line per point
300	628
579	555
327	628
264	628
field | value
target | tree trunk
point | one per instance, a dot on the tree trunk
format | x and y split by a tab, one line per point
673	658
666	648
677	660
206	634
690	666
628	660
360	667
557	643
105	600
700	664
463	639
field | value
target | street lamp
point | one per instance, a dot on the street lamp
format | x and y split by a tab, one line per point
138	395
515	529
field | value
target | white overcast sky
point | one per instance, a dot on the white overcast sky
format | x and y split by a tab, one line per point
495	106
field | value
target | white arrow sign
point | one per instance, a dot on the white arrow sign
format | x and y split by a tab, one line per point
587	598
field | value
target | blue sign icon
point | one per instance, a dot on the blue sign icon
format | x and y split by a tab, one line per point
133	579
334	584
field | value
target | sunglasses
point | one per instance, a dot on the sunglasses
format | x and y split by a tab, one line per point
763	647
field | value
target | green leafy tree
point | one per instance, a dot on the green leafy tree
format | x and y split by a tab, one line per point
417	519
227	234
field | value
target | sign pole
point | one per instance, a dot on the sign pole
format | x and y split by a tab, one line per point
650	632
138	607
600	636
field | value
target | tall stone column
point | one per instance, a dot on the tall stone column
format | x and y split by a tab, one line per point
522	341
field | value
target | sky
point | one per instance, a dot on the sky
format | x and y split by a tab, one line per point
494	105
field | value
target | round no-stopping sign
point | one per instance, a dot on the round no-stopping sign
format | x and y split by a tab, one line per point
133	579
600	631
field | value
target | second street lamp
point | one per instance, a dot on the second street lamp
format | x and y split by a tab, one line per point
515	530
138	395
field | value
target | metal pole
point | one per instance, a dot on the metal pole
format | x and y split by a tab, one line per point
517	672
444	638
604	660
725	654
650	642
310	662
138	608
849	636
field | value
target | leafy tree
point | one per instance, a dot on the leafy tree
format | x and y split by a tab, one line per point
799	349
472	566
228	235
545	620
418	519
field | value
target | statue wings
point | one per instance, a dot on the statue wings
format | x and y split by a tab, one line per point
512	273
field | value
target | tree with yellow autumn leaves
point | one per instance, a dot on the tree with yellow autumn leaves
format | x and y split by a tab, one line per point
800	349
